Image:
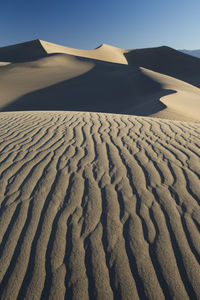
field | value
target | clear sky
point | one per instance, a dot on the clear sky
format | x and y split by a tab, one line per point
85	24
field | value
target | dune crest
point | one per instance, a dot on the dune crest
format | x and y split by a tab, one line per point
55	77
104	52
168	61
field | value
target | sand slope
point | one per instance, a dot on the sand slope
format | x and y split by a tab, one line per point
48	76
104	52
98	206
37	48
167	61
22	52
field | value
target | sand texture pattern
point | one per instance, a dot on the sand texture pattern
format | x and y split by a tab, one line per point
98	206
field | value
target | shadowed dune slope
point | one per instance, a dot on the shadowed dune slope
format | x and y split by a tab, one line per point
163	59
66	82
98	206
167	61
22	52
21	78
69	83
37	48
38	75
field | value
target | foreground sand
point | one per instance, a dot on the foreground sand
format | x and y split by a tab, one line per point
98	206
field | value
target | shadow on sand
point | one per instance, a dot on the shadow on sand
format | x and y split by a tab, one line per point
22	52
108	87
167	61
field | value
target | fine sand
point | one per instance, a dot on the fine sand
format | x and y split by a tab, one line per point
39	75
100	206
99	173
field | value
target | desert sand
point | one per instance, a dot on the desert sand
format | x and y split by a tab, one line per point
159	82
99	173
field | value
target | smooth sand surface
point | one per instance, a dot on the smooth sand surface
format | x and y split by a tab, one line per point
98	206
107	79
104	52
99	173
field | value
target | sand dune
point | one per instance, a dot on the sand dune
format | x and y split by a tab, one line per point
185	101
98	206
167	61
104	52
22	52
59	78
37	48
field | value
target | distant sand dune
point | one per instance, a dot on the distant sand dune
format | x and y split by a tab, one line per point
167	61
98	206
65	81
37	48
22	52
104	52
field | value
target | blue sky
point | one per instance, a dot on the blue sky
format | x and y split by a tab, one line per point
87	24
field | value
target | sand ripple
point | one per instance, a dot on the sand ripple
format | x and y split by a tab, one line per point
98	206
